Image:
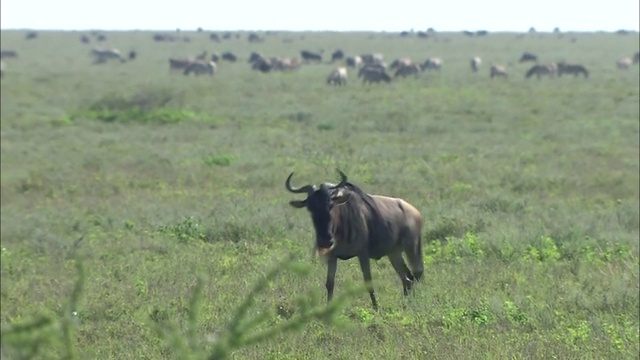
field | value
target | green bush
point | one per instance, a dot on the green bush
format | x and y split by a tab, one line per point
146	106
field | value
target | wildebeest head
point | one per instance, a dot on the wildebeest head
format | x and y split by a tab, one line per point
320	201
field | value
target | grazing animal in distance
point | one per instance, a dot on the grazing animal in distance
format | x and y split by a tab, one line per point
475	64
338	76
375	58
527	56
373	73
337	55
498	71
310	56
540	70
433	63
262	64
575	69
7	54
202	55
200	67
254	38
285	64
102	55
228	56
255	57
351	223
179	63
401	62
624	63
354	61
408	70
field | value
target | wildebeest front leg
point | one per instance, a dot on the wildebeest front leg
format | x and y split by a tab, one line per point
365	265
332	266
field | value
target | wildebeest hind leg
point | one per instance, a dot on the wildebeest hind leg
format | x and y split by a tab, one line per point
402	270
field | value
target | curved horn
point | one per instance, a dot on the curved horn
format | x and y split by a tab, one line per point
304	189
343	180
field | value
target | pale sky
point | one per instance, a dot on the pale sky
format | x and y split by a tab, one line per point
338	15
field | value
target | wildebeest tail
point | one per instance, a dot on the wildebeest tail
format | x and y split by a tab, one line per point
416	262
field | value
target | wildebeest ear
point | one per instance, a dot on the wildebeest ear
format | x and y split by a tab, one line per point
341	198
298	203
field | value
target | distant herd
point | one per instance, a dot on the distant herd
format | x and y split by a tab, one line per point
371	68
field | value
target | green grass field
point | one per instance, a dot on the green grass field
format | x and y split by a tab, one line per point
529	190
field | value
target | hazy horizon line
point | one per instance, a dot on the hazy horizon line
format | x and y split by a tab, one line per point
325	30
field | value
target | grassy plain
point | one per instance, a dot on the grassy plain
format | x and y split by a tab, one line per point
529	190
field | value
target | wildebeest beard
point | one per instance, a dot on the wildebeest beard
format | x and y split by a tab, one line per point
320	207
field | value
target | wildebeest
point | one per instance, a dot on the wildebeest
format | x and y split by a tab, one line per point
354	61
401	62
351	223
375	58
200	67
408	70
527	56
575	69
31	35
285	64
262	64
498	71
475	64
228	56
215	57
164	37
103	55
214	37
310	56
84	39
254	38
179	63
133	55
265	64
624	63
433	63
202	55
8	54
338	76
542	70
373	73
254	57
337	55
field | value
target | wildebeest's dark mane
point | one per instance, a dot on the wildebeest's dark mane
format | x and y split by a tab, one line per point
350	210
